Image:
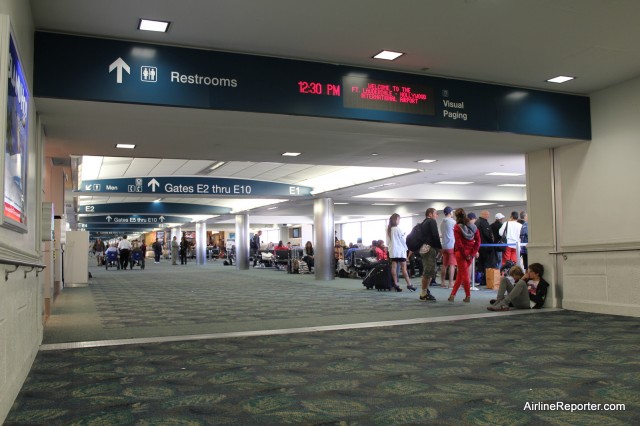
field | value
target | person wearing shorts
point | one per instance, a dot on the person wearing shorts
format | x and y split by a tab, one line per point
448	258
428	252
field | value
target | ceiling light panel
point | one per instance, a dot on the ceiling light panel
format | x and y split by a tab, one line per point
388	55
560	79
504	174
451	182
152	25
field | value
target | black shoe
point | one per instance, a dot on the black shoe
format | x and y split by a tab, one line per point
428	298
492	301
397	288
411	288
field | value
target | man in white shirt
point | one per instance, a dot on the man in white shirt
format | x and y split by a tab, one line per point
448	241
511	229
124	246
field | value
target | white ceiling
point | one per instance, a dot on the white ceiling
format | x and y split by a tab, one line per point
515	42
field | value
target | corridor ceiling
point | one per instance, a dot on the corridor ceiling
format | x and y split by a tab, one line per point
517	43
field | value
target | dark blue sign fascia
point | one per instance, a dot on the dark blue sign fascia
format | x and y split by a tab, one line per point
118	226
200	186
155	220
153	208
83	68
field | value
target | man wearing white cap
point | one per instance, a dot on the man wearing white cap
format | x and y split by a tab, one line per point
495	228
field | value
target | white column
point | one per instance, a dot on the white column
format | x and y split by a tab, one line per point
242	241
201	243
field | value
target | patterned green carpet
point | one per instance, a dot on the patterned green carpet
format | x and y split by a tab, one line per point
166	300
480	372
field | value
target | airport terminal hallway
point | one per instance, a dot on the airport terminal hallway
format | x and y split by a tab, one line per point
208	344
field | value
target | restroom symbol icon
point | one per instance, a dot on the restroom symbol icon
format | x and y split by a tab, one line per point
148	74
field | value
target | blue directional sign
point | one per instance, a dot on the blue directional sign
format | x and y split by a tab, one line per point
119	227
200	186
153	208
154	220
151	74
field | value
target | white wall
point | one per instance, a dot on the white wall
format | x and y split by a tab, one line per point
21	298
597	206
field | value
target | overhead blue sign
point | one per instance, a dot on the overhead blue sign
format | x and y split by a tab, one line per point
122	226
200	186
132	72
134	219
153	208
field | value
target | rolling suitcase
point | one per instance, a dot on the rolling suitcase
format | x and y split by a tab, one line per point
379	277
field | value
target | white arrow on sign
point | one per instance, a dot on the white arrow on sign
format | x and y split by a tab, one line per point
161	218
119	65
153	183
109	218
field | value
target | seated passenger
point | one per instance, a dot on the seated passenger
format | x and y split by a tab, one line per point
136	253
380	251
529	287
112	249
307	254
281	246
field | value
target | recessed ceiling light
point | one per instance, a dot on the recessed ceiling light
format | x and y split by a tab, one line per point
125	145
291	154
426	161
271	208
560	79
504	174
388	55
518	185
151	25
374	153
382	204
341	203
452	182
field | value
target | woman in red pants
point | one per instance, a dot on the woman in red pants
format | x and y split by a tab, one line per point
465	249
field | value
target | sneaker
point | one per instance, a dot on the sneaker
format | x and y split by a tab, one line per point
494	301
498	307
428	297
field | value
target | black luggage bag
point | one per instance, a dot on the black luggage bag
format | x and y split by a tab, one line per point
379	277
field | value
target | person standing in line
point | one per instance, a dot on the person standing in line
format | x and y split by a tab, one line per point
524	238
255	247
448	258
175	247
124	246
495	228
157	250
428	252
487	258
398	252
467	244
511	229
184	249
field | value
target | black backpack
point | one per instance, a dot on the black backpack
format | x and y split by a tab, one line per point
416	238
